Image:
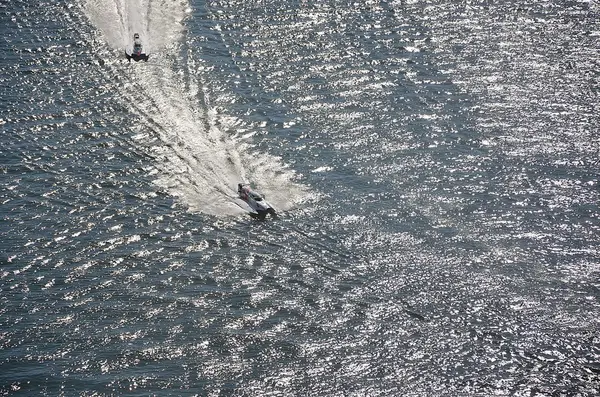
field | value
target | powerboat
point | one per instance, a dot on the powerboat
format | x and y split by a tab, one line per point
259	208
137	53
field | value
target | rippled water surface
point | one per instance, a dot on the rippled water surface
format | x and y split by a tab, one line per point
435	166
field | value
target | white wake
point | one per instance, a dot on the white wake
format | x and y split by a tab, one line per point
197	156
159	22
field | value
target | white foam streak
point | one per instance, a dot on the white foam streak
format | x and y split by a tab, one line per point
199	161
159	22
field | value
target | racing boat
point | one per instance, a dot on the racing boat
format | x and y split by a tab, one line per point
258	207
137	53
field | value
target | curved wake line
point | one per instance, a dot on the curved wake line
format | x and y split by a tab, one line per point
198	160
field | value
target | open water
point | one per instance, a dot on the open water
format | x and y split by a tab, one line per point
435	164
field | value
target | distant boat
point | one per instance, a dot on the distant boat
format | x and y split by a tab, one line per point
137	53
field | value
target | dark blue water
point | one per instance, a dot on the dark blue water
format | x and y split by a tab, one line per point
435	166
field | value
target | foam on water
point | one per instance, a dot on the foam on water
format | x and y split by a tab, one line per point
159	22
198	151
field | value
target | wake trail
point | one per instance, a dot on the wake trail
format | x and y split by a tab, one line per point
193	146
